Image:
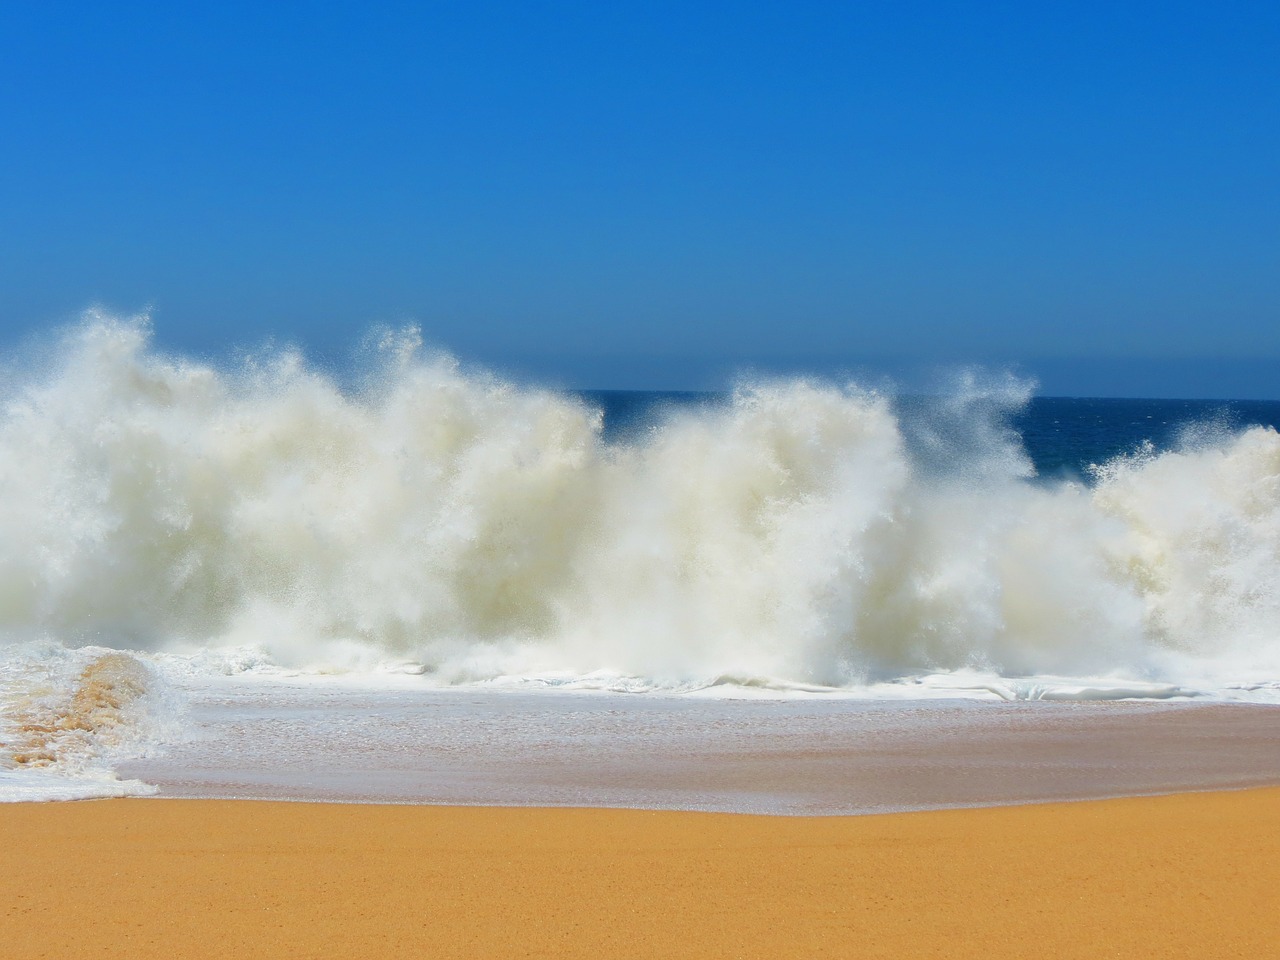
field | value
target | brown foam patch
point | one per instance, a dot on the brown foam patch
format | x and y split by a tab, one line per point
50	728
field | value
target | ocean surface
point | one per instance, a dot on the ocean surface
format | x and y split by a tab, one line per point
419	582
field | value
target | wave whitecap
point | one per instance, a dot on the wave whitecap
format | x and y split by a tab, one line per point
801	531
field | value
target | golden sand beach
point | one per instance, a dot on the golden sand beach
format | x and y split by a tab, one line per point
1190	875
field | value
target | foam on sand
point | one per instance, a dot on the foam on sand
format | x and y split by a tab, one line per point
60	735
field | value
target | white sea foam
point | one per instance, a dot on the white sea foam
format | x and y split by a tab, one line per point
795	538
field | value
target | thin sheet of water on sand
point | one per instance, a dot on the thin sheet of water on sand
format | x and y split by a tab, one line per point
272	739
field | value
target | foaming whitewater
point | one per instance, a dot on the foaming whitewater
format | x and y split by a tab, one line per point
799	535
67	717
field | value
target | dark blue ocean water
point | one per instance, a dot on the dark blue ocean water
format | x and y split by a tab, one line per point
1063	436
1066	434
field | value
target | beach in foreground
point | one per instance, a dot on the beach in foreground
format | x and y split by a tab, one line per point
1189	875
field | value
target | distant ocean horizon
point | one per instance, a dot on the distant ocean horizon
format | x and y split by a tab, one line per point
1061	435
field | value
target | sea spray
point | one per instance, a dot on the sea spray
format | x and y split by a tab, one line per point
802	531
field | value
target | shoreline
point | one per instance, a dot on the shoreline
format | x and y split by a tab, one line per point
1183	874
1269	784
799	757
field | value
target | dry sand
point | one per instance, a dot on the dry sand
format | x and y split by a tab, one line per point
1192	875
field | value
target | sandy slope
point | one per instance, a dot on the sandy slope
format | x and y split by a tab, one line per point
1193	875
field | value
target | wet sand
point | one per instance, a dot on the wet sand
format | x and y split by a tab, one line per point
1190	875
802	757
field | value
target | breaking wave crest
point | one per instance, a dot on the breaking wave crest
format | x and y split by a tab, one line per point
801	531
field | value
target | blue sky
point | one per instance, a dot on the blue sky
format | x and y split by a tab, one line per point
659	194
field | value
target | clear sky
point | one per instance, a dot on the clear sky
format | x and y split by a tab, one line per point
656	194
